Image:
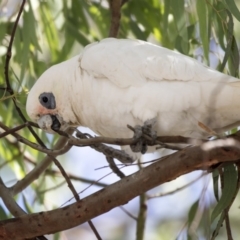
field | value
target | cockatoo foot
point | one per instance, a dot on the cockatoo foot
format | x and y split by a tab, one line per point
145	135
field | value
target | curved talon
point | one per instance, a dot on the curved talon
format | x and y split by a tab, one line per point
137	147
148	129
142	142
137	132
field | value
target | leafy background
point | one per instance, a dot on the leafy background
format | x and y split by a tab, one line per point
52	31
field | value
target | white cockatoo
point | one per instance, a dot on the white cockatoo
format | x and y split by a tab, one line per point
116	82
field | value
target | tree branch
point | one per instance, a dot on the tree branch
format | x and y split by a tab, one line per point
141	220
169	168
115	7
9	49
38	170
12	206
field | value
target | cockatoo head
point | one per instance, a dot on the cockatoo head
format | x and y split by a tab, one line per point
45	100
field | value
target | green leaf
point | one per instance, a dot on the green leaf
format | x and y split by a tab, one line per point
230	176
137	31
180	18
218	227
181	45
232	7
166	13
26	32
215	177
191	216
50	30
229	37
71	28
32	26
233	63
202	12
219	17
3	214
3	28
192	212
26	204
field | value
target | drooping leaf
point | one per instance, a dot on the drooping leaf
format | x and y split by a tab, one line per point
232	7
215	177
233	62
202	12
229	37
230	176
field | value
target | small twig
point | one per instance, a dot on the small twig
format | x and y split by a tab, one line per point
115	8
141	219
75	194
34	145
94	230
114	167
39	169
107	150
170	147
52	188
228	226
76	178
128	213
177	189
6	73
52	172
15	129
99	140
207	129
11	205
9	201
64	174
9	49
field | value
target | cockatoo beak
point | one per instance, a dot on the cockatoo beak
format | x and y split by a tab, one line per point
50	123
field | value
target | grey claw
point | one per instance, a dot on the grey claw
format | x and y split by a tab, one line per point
142	143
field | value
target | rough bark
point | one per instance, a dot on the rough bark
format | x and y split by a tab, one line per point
119	193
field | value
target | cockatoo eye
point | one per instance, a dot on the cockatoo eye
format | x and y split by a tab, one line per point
47	100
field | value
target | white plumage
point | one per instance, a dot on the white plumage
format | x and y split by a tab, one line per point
116	82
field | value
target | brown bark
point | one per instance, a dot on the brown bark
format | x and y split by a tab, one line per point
121	192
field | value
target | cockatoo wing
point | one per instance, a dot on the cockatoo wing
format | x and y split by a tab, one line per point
128	62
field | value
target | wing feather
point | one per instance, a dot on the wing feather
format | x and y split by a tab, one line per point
128	62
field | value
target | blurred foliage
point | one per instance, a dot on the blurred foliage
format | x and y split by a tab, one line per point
52	31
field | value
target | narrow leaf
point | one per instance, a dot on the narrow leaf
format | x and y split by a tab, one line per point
233	62
231	5
215	177
180	18
230	176
202	12
229	42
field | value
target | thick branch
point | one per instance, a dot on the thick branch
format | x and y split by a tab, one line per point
39	169
119	193
9	201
